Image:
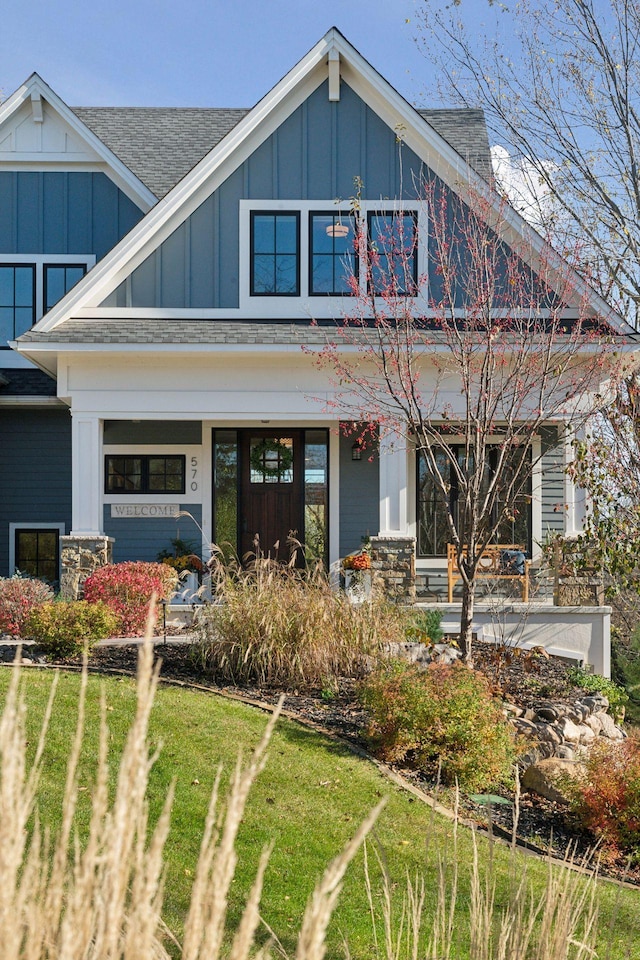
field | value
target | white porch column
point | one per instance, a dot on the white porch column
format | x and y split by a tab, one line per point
575	497
393	484
86	475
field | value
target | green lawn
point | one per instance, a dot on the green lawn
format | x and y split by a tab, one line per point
309	800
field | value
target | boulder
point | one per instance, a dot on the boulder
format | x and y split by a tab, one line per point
547	778
548	713
569	730
595	722
587	735
596	703
548	733
609	728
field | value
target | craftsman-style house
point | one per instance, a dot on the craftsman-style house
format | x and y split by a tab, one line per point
159	272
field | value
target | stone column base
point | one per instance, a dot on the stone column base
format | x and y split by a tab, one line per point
393	564
79	557
579	592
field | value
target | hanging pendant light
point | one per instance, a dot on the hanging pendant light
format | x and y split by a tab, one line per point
338	229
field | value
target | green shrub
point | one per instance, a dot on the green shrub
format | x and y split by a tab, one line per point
279	626
594	683
425	626
442	717
64	628
625	668
607	800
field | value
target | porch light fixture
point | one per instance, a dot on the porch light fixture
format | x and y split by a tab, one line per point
356	450
338	230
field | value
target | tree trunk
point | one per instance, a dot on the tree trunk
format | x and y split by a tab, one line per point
466	620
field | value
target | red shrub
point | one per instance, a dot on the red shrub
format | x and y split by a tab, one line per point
607	801
127	589
18	596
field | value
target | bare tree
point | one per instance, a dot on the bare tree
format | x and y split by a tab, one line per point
560	87
467	362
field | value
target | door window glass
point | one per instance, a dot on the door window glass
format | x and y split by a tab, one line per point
271	460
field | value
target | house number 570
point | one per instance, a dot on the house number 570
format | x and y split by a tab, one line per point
194	473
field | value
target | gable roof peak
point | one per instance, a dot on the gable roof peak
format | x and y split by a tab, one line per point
37	90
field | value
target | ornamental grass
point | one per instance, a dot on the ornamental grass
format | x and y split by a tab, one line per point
277	625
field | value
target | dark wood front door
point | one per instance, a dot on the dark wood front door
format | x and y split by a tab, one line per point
272	492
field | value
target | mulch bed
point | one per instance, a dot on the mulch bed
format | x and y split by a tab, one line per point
542	825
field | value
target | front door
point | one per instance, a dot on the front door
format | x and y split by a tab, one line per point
272	485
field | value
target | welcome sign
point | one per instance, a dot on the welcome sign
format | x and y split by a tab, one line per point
126	511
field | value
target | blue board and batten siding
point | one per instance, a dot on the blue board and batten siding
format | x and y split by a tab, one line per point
35	472
359	497
143	538
314	155
62	213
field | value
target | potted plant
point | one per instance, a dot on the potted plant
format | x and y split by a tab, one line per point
188	565
356	569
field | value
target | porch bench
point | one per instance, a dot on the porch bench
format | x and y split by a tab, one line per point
495	564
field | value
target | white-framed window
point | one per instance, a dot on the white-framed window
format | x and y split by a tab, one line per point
30	284
300	258
34	549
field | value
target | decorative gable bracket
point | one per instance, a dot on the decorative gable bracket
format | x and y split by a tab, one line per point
36	107
334	75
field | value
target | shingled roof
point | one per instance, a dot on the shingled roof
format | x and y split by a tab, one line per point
161	144
166	331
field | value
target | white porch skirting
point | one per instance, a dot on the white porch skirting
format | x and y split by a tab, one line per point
582	634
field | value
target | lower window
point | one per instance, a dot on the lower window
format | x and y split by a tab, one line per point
36	552
144	474
433	530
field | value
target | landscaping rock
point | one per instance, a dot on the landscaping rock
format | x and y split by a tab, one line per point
548	713
595	723
548	733
597	703
569	730
609	728
546	778
525	727
587	735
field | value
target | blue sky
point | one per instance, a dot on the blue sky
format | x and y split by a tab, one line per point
197	52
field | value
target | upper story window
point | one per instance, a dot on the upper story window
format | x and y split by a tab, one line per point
31	285
58	280
17	300
275	254
333	263
393	260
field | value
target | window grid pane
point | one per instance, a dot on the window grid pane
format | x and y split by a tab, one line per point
433	532
392	247
58	280
17	300
150	474
36	553
275	254
333	263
